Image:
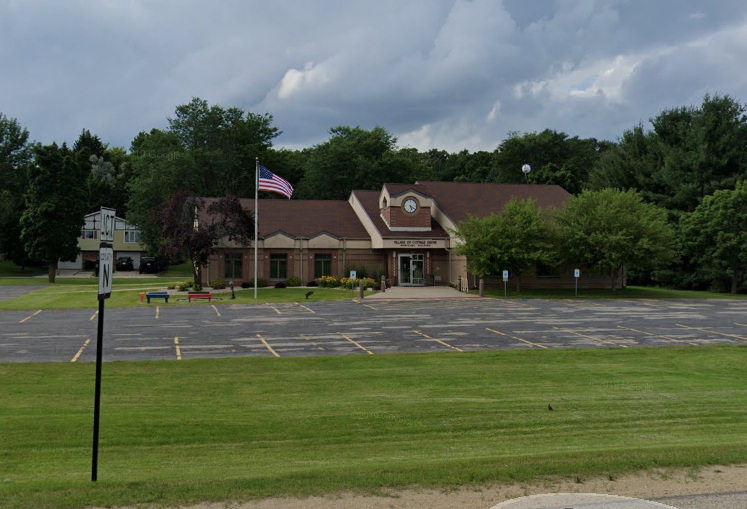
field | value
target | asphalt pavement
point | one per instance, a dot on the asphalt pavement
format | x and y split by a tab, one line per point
160	331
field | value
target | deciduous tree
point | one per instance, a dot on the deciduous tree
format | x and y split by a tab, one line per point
516	239
610	228
715	234
190	230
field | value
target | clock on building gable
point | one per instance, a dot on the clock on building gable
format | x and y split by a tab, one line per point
410	205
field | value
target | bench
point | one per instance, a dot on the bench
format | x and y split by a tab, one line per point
157	295
199	295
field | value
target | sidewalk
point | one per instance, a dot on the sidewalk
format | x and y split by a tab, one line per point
422	292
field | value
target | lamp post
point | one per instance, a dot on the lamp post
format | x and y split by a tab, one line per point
526	169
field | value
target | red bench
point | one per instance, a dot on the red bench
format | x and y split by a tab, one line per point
199	296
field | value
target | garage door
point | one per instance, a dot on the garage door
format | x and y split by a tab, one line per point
77	264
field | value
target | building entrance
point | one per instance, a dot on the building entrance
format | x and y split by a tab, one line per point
411	270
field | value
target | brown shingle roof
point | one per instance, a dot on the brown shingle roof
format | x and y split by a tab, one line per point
460	199
305	218
370	202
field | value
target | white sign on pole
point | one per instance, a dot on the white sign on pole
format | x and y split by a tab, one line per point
576	273
108	218
353	274
505	275
106	263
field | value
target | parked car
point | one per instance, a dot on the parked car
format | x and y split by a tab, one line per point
125	263
148	265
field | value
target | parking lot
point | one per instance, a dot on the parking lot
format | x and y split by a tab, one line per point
163	332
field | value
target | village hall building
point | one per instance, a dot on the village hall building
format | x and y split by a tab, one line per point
404	232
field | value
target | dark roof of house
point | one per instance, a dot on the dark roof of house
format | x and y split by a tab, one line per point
370	202
458	200
305	218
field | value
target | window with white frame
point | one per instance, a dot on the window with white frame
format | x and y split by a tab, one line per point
89	234
132	236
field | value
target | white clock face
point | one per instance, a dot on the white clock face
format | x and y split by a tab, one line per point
411	205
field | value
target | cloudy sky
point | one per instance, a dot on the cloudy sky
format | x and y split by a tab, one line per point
447	74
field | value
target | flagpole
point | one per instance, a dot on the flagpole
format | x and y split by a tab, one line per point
256	209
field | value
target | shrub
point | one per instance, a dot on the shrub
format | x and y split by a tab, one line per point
293	281
355	283
183	286
329	282
261	283
280	284
171	286
218	283
312	283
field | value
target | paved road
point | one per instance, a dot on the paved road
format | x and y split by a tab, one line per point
13	291
369	327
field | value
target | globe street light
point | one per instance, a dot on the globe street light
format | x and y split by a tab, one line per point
526	169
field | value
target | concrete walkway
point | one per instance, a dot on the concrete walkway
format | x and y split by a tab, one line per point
422	292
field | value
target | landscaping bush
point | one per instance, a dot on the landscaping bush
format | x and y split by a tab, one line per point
312	283
329	282
261	283
218	283
280	284
183	286
293	281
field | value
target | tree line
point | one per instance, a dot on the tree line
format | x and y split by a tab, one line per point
679	164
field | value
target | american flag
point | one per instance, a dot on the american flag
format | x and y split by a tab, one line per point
270	182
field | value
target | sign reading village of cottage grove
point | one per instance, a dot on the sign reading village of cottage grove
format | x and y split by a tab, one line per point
418	243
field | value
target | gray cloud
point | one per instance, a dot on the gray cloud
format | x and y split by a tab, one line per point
449	74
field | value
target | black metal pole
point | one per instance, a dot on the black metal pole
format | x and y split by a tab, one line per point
97	403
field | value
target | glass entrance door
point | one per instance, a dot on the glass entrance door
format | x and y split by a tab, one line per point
411	270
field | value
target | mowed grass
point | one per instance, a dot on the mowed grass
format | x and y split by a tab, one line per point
177	433
126	293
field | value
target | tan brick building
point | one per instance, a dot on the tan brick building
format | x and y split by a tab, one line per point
404	232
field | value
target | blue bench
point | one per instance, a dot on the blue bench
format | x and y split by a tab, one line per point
157	295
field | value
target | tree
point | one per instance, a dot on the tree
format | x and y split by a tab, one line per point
516	239
192	231
690	153
555	158
715	234
353	158
55	207
16	154
207	150
610	228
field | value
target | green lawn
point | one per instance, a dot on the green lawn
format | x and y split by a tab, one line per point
10	269
126	293
176	433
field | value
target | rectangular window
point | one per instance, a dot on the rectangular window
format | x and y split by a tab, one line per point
132	236
89	234
278	266
322	265
233	266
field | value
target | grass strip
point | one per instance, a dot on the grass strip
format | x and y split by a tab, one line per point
127	294
234	429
